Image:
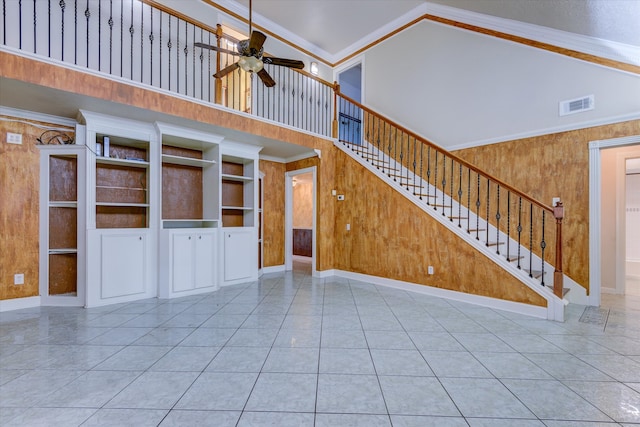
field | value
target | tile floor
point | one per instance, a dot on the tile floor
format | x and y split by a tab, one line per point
291	350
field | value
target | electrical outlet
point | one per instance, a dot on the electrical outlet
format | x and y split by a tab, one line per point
348	227
334	192
14	138
555	201
430	269
18	279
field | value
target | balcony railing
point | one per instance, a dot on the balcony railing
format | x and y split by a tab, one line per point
135	41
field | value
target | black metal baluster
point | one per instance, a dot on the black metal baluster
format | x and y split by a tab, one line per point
75	36
19	24
429	175
142	43
415	163
444	182
498	221
110	22
160	49
62	8
48	23
508	224
131	32
543	245
35	21
450	193
478	209
488	205
87	14
4	24
151	37
460	195
99	36
169	44
519	229
186	58
121	38
530	240
468	200
435	183
421	178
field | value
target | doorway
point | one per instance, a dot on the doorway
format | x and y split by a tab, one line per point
610	240
300	218
350	117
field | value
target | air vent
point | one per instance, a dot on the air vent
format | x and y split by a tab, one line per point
577	105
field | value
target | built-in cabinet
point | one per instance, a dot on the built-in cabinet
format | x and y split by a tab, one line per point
122	209
62	225
240	207
190	199
137	210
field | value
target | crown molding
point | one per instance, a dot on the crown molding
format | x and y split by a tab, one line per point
546	131
616	51
37	117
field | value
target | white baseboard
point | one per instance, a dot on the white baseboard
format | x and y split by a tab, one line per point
273	269
514	307
19	303
325	273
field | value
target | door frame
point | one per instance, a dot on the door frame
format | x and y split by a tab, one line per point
595	214
288	218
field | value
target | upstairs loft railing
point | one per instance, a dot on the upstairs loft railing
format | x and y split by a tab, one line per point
137	42
522	229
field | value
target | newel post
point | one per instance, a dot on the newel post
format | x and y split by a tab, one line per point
336	89
218	82
558	213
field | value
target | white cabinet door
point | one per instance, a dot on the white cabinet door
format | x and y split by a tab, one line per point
123	265
182	261
205	260
239	254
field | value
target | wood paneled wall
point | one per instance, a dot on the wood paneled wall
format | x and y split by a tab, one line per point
20	209
391	237
555	165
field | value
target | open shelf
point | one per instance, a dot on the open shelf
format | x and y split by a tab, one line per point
189	223
238	178
122	162
63	251
186	161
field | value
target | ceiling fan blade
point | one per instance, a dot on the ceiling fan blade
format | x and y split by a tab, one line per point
216	48
226	70
266	78
256	42
291	63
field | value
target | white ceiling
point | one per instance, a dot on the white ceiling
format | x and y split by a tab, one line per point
332	26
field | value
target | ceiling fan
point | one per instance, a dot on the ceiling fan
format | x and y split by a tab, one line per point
250	52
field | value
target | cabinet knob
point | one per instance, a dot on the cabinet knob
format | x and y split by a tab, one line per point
200	237
189	237
140	238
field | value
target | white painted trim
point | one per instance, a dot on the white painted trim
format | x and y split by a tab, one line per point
19	303
273	269
288	217
38	117
494	303
595	214
325	274
599	47
545	131
289	159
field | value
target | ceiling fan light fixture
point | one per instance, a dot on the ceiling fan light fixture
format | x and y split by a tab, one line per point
250	64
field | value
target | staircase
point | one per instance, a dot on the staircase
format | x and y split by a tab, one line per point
511	229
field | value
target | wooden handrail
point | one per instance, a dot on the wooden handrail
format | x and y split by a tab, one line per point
451	155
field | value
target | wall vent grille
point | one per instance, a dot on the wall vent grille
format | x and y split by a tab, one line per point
577	105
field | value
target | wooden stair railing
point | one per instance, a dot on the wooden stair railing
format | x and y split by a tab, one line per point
456	188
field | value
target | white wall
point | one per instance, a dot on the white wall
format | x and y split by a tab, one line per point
460	88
